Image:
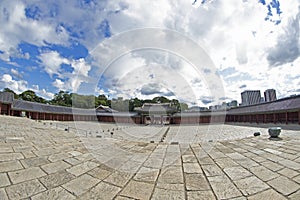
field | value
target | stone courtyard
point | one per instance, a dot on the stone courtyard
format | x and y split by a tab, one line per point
53	160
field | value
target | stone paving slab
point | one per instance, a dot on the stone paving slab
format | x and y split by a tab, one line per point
167	194
42	162
138	190
55	167
56	179
26	174
81	184
3	195
25	189
201	195
284	185
101	191
4	181
56	193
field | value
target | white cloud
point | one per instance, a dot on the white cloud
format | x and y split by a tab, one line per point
53	61
7	81
16	28
16	73
20	86
234	33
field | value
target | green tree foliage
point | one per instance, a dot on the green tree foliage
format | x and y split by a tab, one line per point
83	101
30	95
62	98
183	107
121	105
160	99
102	100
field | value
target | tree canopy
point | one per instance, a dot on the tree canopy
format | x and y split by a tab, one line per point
65	98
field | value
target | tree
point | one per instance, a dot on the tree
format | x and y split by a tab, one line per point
183	107
62	98
160	100
30	95
101	100
83	101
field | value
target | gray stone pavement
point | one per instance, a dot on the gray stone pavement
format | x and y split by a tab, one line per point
38	161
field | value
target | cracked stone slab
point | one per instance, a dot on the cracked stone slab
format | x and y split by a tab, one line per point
118	178
267	195
251	185
25	189
170	186
26	174
159	194
196	182
171	174
192	168
4	181
55	167
223	187
34	162
236	173
295	196
263	173
212	170
226	162
56	179
82	168
10	156
288	172
201	195
56	193
284	185
147	175
101	191
138	190
3	195
99	173
81	184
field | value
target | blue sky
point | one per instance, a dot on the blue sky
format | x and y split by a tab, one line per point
54	45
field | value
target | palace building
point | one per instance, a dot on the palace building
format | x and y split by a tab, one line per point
285	110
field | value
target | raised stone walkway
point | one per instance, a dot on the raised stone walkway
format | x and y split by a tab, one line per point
41	162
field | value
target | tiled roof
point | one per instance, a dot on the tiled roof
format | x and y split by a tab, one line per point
6	97
45	108
281	105
156	108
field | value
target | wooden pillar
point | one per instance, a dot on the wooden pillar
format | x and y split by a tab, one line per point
265	118
8	108
286	117
299	117
274	118
0	107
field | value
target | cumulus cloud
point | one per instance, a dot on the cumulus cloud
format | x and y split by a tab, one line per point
243	32
71	81
19	86
52	62
18	28
7	81
16	73
287	48
155	89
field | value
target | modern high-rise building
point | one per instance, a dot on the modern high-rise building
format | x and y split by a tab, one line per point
250	97
270	95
